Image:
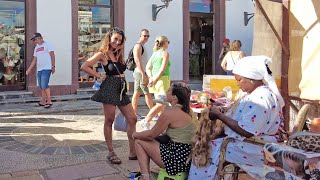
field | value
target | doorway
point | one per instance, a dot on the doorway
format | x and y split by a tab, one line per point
201	39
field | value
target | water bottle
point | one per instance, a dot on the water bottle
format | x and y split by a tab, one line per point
97	84
132	176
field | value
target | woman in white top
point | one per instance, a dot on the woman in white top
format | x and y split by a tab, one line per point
232	57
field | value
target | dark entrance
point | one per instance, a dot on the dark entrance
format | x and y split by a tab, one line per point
201	39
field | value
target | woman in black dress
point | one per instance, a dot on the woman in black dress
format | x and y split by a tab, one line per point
113	89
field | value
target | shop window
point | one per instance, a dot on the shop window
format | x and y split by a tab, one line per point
12	43
94	20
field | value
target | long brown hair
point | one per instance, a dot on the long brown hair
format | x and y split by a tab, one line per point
104	48
201	143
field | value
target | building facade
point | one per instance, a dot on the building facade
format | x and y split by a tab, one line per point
75	28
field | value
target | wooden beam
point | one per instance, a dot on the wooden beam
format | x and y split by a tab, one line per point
285	62
278	1
283	45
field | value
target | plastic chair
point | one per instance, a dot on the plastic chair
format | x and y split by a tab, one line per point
164	175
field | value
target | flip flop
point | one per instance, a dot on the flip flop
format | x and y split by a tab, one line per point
47	106
41	104
133	158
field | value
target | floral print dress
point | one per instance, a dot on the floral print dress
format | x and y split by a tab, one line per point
258	113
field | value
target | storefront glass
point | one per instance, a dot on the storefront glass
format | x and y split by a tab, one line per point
94	20
12	46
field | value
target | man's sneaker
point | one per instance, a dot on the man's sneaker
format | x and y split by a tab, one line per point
145	125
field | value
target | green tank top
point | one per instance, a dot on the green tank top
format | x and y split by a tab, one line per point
184	134
157	62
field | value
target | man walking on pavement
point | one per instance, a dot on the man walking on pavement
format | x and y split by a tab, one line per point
139	73
44	57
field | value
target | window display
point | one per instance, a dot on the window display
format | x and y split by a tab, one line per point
94	20
12	35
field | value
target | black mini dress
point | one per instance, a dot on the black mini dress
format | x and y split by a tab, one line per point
113	90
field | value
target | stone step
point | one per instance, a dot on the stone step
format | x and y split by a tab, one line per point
18	97
14	94
31	99
85	91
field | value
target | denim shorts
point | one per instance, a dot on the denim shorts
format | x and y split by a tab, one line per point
43	78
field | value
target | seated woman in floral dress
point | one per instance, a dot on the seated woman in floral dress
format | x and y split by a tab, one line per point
257	114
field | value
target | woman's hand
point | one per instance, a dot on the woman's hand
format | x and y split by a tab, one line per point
134	135
214	113
151	82
102	76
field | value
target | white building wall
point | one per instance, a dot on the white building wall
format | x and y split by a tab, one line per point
138	15
235	28
54	22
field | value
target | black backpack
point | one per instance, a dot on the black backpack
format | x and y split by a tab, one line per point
131	65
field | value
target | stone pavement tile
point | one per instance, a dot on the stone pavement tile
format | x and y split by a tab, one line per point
5	176
81	171
110	177
24	175
31	177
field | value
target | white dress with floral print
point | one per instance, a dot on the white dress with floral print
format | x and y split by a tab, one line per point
258	113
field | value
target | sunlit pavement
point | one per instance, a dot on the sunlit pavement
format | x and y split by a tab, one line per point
63	142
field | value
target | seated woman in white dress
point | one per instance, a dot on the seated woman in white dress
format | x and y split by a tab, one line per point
257	114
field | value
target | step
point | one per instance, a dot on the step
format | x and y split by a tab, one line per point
72	97
14	94
85	91
17	97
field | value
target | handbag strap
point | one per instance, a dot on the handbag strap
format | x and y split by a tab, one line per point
232	57
124	86
116	67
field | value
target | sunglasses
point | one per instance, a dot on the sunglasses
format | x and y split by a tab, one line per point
37	38
168	42
146	35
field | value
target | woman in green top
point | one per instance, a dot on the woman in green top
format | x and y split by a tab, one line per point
158	71
180	127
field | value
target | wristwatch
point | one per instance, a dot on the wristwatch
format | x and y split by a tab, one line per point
53	66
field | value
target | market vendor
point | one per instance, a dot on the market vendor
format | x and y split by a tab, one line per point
257	114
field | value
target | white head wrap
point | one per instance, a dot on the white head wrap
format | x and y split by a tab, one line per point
254	67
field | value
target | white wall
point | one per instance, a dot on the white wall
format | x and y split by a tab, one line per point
235	29
54	22
169	23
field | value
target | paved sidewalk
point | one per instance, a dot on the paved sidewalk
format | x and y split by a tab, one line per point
63	142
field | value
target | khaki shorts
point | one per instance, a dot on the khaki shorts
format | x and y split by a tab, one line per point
138	83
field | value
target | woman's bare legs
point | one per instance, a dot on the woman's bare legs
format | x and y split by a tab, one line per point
147	150
131	118
109	113
154	111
